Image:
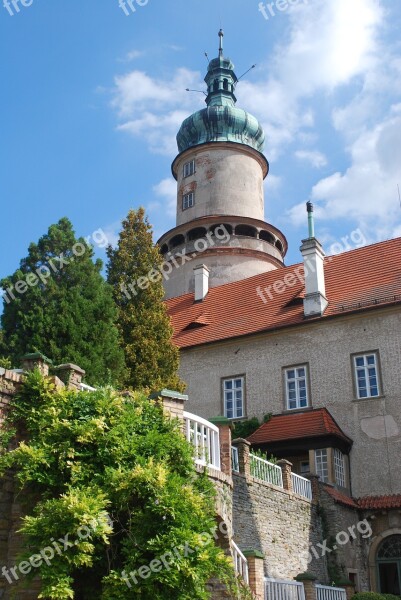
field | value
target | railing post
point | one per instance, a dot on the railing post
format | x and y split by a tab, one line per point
314	479
71	375
36	360
224	426
256	573
349	587
172	402
309	585
243	456
286	468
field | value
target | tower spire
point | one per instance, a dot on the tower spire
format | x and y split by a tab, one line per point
221	36
221	79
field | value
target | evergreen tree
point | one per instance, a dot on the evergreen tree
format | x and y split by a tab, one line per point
58	303
134	272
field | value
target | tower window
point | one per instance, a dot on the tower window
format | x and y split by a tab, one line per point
225	84
188	200
189	168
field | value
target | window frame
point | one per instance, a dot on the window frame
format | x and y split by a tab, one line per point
307	387
327	465
355	368
340	472
190	205
192	168
235	416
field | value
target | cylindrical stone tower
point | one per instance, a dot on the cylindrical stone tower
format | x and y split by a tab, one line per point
220	170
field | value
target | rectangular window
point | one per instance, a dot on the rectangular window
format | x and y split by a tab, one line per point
339	468
189	168
322	467
188	200
296	387
366	375
233	390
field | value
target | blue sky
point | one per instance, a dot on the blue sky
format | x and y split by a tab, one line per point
92	100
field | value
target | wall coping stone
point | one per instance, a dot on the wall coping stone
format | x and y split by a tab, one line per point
238	441
305	577
220	421
69	366
168	394
253	553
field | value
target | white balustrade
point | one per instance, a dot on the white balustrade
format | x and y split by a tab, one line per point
205	438
240	562
301	486
234	459
277	589
266	471
325	592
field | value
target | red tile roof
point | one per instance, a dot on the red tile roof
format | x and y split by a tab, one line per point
355	280
313	423
371	502
340	497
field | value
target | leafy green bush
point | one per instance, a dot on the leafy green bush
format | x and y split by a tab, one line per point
374	596
118	468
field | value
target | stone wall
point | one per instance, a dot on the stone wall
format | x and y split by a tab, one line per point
340	522
280	525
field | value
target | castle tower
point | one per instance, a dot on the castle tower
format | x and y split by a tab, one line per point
220	171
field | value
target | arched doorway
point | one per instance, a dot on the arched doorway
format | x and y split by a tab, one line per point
389	565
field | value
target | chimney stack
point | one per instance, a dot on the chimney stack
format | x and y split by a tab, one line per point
201	282
315	302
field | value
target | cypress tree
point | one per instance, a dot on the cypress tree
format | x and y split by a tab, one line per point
58	303
134	273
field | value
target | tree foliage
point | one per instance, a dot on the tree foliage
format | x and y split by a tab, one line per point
68	313
135	276
118	468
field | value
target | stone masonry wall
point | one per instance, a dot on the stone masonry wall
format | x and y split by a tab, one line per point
279	524
339	523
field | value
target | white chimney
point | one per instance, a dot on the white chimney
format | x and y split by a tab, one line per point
315	301
201	282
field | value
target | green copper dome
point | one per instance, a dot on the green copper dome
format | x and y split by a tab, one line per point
221	121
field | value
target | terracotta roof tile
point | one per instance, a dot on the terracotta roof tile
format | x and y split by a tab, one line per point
313	423
340	497
380	502
355	280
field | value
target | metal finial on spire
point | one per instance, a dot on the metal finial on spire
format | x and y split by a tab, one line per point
221	35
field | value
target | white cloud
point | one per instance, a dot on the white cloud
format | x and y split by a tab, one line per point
131	56
313	157
366	192
166	189
155	108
